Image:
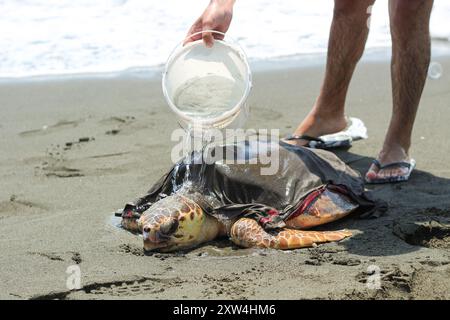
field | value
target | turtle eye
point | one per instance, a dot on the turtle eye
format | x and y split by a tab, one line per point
169	227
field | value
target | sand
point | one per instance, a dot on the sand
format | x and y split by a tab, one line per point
75	150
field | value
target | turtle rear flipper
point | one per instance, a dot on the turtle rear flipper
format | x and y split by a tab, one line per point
248	233
329	205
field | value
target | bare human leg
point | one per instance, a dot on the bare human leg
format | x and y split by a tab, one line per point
410	60
348	35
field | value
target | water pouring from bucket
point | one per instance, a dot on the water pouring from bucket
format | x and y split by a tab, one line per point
208	87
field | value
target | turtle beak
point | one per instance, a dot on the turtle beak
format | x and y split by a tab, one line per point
156	238
153	236
161	234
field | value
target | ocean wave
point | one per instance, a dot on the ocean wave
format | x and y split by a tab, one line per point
48	37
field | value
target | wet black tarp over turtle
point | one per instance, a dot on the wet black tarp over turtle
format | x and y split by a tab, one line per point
242	189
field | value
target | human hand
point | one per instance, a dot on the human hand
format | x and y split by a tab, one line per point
217	16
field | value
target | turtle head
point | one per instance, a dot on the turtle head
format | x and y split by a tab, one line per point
173	223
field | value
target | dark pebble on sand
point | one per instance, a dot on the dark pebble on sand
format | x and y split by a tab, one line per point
113	132
76	257
85	139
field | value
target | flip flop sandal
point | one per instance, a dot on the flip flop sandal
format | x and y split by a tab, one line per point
355	130
319	143
401	178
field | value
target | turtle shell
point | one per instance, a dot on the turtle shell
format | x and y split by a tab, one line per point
239	189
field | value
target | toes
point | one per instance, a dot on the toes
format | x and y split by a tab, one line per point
371	175
391	172
375	173
372	172
382	174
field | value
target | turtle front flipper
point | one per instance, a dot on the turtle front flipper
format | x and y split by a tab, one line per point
248	233
130	217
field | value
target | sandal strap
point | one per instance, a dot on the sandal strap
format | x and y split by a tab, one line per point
402	164
376	163
303	137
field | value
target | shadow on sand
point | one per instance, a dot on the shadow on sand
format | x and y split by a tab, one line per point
418	214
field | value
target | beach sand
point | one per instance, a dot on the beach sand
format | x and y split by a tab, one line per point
74	151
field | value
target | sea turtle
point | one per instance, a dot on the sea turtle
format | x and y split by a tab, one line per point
310	188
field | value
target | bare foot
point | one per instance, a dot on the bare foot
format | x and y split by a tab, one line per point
317	125
388	155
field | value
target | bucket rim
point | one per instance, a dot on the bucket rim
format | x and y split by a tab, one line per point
182	48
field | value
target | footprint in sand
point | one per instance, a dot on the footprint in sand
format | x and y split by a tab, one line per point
128	124
430	233
118	123
131	288
58	163
118	288
46	129
115	120
109	155
394	282
68	145
91	166
69	256
62	172
15	206
49	255
55	164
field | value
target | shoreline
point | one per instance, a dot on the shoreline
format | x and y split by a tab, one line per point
440	49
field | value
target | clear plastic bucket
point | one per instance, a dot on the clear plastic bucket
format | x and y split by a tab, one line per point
208	87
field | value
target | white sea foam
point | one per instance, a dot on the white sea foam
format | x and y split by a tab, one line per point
43	37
